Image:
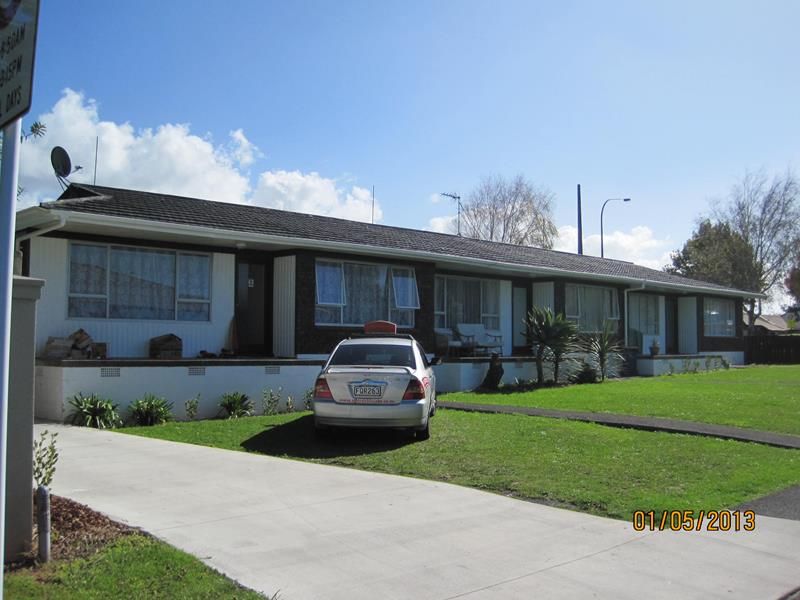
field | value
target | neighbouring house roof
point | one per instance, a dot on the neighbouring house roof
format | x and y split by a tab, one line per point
774	323
242	218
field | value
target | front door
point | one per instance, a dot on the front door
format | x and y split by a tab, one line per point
254	305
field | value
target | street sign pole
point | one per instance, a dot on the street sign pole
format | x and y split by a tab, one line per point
19	21
9	172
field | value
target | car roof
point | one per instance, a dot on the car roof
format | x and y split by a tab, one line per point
377	340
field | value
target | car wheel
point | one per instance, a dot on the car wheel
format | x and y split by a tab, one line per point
424	433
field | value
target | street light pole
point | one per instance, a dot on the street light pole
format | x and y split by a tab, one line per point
602	253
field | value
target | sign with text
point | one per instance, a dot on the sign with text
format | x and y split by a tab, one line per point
18	22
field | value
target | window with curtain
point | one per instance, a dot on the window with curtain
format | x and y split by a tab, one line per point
466	300
591	306
644	317
719	317
120	282
355	293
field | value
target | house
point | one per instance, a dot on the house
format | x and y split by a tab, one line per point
770	324
284	288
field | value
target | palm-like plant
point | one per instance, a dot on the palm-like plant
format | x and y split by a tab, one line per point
605	349
547	332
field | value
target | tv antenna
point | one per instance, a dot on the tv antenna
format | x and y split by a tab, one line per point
457	199
62	165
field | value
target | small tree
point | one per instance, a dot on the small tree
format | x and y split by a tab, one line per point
562	342
605	349
45	457
545	333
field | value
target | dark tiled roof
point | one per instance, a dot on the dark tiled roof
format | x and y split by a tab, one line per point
247	218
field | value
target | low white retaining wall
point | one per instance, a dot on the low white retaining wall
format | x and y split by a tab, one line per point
56	385
667	364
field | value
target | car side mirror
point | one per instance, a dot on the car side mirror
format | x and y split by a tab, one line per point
436	360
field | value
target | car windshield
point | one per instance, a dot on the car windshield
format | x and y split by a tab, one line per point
368	355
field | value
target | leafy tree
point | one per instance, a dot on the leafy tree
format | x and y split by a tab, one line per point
511	211
717	254
36	130
750	241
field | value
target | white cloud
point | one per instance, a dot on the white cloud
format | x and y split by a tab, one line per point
639	245
442	224
314	194
243	150
173	160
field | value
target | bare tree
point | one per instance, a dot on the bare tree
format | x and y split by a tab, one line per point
512	211
766	214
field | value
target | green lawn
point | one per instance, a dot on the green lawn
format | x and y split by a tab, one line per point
134	566
589	467
759	397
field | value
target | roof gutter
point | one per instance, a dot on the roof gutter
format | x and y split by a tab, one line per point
244	236
58	224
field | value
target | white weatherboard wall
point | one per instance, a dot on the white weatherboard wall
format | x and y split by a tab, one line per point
127	338
543	294
123	385
283	306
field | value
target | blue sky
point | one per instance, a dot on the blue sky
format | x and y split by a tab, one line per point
668	103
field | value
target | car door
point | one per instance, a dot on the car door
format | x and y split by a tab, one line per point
427	369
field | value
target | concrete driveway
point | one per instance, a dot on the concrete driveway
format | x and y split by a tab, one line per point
320	532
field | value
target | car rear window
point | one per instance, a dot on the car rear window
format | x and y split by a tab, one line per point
365	355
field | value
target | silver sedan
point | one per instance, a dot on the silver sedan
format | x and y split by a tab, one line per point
376	382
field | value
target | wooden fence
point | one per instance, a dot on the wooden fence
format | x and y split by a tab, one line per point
772	349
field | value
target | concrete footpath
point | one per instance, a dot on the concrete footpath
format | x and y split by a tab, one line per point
780	440
320	532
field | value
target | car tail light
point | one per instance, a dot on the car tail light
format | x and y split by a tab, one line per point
322	390
415	390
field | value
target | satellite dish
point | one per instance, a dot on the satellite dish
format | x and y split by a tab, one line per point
62	165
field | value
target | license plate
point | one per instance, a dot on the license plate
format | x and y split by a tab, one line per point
367	389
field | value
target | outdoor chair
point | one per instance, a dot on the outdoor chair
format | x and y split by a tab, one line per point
480	339
446	342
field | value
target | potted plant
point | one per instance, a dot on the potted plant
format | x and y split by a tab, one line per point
655	347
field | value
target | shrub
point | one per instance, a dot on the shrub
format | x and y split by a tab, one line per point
289	404
236	404
150	410
586	374
605	350
307	398
93	411
270	401
45	457
550	336
191	406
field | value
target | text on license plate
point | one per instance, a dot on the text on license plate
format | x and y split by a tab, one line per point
367	391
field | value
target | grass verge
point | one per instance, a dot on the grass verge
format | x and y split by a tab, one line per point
95	557
758	397
602	470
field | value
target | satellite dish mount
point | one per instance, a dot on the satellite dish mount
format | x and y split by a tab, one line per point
62	165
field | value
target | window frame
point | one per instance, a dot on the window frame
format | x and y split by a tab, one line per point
107	295
483	314
612	299
390	310
723	301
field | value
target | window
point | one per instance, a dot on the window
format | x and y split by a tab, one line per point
356	293
719	317
591	306
121	282
644	317
466	300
